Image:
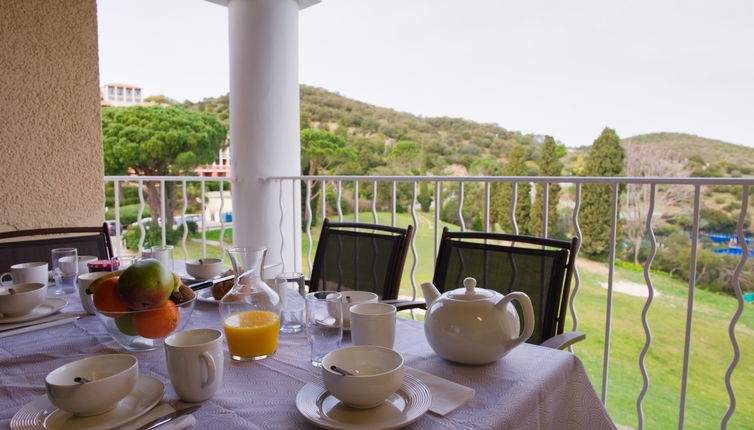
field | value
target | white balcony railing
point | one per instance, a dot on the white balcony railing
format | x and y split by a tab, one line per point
651	187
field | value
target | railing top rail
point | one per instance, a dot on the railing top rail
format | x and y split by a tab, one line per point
535	179
168	178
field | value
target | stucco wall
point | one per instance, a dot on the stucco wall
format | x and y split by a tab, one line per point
51	169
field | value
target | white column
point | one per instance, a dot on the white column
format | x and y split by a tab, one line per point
264	123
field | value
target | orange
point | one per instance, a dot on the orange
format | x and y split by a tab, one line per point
106	298
156	322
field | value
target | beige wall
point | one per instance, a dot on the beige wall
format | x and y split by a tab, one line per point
51	170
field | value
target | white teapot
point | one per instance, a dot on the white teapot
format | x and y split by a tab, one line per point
473	325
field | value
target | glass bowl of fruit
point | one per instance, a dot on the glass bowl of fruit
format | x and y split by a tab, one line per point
142	305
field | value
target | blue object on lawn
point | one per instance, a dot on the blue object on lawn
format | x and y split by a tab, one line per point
749	297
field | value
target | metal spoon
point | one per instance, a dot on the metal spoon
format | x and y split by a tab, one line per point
81	380
343	372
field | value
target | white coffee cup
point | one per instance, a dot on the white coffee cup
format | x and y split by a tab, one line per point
373	324
351	298
195	363
83	262
86	279
27	273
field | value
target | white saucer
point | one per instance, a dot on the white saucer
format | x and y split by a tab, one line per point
49	306
404	407
205	296
40	414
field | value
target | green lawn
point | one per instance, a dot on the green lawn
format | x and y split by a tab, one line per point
711	351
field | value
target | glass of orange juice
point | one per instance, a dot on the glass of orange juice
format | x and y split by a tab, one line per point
250	311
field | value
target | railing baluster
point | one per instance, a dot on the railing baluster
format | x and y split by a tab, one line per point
374	202
183	219
486	206
739	309
413	248
460	206
355	201
647	304
139	215
164	214
203	209
690	305
309	224
576	279
298	265
438	206
323	192
514	201
610	276
394	201
282	218
337	203
222	218
545	208
116	191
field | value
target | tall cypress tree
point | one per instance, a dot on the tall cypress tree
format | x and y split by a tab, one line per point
502	194
548	166
605	159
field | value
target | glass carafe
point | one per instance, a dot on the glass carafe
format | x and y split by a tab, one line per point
250	311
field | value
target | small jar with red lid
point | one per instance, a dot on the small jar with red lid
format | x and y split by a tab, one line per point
104	265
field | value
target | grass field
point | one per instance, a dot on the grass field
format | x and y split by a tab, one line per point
711	350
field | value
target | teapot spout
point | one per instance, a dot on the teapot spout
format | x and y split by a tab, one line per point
430	293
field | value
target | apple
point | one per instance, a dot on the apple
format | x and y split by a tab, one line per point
146	284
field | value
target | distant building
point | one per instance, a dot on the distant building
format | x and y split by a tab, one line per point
218	169
120	95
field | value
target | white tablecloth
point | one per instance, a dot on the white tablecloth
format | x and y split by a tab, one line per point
531	388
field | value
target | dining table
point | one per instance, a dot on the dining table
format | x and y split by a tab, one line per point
532	387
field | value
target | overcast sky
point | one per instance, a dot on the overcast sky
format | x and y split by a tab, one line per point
567	69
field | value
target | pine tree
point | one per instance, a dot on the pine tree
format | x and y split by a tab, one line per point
548	166
605	159
502	193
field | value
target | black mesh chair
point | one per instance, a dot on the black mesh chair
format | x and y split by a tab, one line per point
541	268
22	246
361	257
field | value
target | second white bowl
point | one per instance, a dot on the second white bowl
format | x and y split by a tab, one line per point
378	373
110	378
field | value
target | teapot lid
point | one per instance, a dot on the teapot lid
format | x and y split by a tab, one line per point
470	292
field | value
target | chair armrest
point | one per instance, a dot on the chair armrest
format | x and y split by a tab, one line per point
402	305
564	340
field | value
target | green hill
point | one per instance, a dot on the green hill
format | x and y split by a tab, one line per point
687	146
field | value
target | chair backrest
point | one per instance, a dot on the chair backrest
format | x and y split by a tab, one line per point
541	268
360	256
23	246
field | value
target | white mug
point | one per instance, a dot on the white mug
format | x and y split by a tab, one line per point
195	363
352	298
373	324
86	279
27	273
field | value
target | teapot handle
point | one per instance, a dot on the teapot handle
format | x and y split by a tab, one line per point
525	302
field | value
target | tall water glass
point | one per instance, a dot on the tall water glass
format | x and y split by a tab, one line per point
290	287
324	330
165	255
65	270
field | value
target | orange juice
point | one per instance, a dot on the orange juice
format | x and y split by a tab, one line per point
252	334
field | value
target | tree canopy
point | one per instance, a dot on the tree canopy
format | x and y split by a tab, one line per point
157	140
605	159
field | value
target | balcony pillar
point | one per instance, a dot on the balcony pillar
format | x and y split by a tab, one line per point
264	123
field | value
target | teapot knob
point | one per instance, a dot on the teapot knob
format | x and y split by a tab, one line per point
470	284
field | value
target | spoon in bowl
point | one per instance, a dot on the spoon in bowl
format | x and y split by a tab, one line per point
343	372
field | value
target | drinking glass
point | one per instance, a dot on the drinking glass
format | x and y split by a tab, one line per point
65	269
165	255
324	329
290	287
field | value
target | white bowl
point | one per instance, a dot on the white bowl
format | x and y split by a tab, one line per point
205	268
25	297
111	377
378	373
351	298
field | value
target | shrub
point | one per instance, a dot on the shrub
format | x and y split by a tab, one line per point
152	236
